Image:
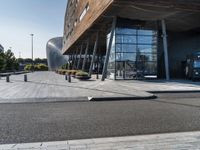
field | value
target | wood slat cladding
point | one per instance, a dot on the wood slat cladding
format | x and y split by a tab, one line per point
74	27
180	16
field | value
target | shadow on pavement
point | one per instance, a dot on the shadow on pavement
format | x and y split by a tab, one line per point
79	87
176	103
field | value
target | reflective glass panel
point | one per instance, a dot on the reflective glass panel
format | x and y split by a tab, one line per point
125	31
145	40
134	51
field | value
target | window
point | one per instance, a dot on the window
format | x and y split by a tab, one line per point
134	51
75	23
77	1
71	2
84	12
196	64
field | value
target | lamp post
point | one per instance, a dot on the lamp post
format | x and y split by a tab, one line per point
32	50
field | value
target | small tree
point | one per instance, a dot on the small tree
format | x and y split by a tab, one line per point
10	62
1	60
20	60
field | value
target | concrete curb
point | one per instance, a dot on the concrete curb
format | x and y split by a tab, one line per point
179	91
72	99
121	98
43	100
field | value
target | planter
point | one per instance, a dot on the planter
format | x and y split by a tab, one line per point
73	76
83	77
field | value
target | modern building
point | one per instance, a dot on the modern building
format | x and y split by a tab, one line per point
54	54
127	39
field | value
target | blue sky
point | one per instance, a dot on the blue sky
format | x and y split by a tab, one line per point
20	18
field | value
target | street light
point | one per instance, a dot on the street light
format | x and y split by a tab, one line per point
32	49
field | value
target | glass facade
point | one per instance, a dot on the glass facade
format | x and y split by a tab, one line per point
133	53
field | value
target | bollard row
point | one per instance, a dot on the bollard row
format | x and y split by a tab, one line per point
68	78
8	78
25	78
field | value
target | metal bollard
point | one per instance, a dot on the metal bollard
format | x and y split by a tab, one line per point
66	77
69	78
25	78
97	77
8	78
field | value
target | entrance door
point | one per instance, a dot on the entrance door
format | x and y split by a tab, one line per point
125	69
120	70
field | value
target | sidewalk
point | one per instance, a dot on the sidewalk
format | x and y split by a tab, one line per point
169	141
51	87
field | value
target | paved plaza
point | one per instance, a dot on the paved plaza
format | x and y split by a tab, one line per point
170	141
48	86
77	118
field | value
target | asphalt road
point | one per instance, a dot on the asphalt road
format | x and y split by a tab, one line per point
38	122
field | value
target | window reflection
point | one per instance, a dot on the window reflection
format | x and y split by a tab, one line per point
133	50
125	31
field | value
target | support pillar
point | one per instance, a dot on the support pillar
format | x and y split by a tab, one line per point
75	59
85	58
80	57
165	46
109	49
98	66
94	53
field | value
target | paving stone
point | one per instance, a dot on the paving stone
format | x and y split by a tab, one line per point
50	86
143	142
83	142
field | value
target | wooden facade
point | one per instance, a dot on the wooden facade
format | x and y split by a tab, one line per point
84	19
80	16
86	16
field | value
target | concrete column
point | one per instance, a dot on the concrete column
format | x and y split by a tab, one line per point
79	61
75	59
98	66
70	61
94	53
109	49
165	46
85	58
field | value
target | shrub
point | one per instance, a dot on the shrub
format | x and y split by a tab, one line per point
38	67
64	71
41	67
82	73
65	66
28	67
61	71
72	72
